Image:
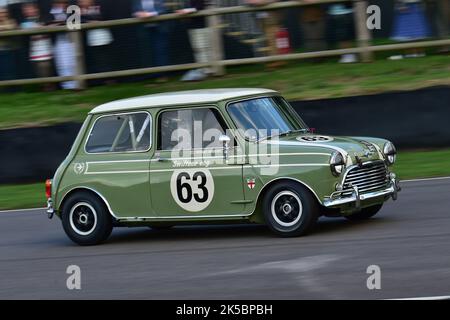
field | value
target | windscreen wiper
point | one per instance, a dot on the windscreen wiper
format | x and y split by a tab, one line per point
283	134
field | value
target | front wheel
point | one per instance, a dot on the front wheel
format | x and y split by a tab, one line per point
365	213
290	209
85	219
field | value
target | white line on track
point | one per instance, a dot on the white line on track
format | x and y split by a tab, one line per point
425	298
22	210
402	181
425	179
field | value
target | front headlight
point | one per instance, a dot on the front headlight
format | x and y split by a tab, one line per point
337	163
390	153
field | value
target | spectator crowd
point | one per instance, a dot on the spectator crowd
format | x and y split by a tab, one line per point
49	55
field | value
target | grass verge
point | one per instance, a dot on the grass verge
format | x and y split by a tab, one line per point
296	80
410	165
22	196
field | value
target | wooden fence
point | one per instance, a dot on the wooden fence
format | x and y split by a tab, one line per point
218	64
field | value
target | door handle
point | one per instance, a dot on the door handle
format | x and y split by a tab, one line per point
159	158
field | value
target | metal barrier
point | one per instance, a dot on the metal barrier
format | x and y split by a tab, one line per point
218	64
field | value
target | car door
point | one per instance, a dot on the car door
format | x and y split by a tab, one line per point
189	176
115	162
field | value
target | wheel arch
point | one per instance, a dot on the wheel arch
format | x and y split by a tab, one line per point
88	190
269	184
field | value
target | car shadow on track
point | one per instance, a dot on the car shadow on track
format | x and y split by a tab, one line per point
325	226
342	225
195	232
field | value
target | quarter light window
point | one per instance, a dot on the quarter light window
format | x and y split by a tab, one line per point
120	133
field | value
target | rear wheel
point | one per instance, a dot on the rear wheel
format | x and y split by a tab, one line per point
85	219
365	213
289	209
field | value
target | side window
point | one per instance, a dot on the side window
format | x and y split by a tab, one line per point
190	128
120	133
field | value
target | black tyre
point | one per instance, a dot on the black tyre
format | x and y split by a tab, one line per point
85	219
365	213
290	209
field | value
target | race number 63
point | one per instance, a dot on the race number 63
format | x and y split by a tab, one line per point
192	189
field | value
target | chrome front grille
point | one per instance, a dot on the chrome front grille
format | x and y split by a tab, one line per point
369	177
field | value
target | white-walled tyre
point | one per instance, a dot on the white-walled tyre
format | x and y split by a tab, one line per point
85	219
290	209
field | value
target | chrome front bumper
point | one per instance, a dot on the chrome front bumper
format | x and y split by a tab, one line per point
50	209
336	199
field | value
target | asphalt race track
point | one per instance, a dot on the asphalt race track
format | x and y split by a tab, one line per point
409	240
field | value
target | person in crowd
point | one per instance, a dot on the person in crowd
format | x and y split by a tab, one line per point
270	22
410	21
342	29
410	24
438	14
64	48
7	59
443	21
41	51
158	33
98	40
200	39
313	24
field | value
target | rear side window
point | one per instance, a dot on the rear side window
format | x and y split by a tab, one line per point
120	133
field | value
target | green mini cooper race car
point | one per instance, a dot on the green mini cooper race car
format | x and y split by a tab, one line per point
213	156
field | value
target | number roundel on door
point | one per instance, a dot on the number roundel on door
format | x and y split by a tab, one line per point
192	189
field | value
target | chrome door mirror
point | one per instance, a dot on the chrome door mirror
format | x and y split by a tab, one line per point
226	145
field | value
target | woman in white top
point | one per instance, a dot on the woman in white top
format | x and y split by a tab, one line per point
41	51
64	49
98	41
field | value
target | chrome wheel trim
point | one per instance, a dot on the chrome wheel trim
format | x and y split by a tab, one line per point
286	208
83	217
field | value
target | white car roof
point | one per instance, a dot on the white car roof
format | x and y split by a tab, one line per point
178	98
